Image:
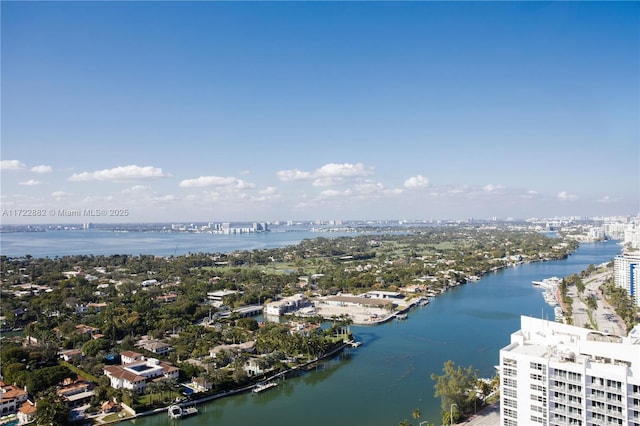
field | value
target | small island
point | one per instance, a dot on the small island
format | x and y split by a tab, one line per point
138	334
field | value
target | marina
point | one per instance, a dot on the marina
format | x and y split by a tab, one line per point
548	283
550	294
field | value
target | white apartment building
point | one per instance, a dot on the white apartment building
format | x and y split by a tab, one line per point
626	274
288	304
632	235
557	374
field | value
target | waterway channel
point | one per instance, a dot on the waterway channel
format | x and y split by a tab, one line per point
384	380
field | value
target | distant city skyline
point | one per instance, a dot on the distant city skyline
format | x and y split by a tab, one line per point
275	111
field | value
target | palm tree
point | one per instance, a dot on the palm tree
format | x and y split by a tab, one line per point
416	414
151	388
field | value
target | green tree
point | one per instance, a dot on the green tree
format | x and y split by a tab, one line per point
416	413
51	410
248	324
456	386
92	347
592	302
485	388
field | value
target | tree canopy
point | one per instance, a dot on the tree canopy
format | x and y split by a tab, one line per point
456	386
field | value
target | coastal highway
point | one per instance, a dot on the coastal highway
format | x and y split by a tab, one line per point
603	317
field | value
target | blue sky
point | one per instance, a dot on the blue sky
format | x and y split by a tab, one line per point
218	111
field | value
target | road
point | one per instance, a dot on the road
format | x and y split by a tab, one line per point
603	318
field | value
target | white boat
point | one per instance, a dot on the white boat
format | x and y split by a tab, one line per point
177	412
548	283
263	386
550	297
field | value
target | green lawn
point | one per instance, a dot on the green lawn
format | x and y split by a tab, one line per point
79	372
159	398
113	417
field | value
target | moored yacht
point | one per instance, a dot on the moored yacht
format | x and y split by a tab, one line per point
549	283
263	386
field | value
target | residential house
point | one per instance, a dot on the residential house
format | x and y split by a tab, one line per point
244	347
254	366
157	347
136	375
201	384
110	406
11	398
96	307
76	392
128	357
70	355
27	413
167	298
87	329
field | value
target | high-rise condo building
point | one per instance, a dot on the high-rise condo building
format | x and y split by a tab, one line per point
626	273
557	374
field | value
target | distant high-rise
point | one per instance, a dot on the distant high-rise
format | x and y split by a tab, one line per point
626	274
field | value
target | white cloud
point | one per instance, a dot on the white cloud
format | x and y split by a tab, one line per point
222	181
11	165
59	195
137	189
456	191
418	181
369	187
293	175
327	175
566	196
30	182
268	194
492	188
608	200
333	170
42	169
120	174
530	194
332	193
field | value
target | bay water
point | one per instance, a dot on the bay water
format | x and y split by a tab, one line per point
97	242
384	380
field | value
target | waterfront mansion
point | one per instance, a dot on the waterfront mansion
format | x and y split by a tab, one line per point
136	371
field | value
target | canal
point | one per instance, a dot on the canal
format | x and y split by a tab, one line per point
384	380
